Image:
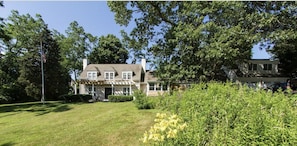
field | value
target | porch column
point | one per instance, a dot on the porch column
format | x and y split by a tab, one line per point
75	88
147	88
130	88
112	88
93	90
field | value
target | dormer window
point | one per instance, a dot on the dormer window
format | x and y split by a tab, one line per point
127	75
109	75
92	75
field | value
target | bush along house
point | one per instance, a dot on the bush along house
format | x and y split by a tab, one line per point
102	80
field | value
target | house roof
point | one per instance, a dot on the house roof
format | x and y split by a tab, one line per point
263	61
150	76
117	68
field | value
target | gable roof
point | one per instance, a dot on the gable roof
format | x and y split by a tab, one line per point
117	68
150	76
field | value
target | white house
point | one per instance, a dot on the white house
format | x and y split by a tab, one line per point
102	80
257	70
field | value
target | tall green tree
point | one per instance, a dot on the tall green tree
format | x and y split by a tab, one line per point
109	51
3	35
280	34
188	39
28	35
192	40
75	47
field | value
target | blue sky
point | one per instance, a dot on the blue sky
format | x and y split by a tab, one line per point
94	16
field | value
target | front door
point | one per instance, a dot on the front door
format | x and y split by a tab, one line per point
108	91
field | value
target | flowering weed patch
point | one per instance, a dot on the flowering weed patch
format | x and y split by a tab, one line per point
230	114
165	129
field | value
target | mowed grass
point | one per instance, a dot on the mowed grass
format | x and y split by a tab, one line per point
56	124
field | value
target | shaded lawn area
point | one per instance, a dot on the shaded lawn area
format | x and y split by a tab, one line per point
55	123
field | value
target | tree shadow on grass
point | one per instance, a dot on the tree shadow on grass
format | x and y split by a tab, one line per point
8	144
35	107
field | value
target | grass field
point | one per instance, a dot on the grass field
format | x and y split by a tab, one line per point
84	124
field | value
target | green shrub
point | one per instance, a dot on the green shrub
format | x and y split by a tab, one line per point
5	99
119	98
142	101
224	114
75	98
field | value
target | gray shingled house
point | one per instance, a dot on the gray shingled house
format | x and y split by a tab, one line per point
101	80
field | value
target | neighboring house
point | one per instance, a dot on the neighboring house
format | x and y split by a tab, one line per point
102	80
257	70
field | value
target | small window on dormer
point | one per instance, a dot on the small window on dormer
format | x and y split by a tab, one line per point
92	75
127	75
109	75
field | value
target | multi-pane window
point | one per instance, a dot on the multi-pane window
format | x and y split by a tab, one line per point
165	87
127	75
151	86
252	66
92	75
90	89
157	87
267	66
126	91
109	75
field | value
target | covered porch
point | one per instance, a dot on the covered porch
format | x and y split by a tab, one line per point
101	89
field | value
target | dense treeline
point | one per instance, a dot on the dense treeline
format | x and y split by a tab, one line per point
23	36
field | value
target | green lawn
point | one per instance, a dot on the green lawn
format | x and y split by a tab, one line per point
85	124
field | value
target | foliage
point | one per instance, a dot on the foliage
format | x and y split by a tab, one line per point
75	46
5	99
119	98
142	101
110	50
286	51
75	97
22	61
229	114
165	129
279	34
3	35
192	40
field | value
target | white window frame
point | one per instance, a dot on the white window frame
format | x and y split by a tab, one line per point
150	89
125	75
126	91
92	75
109	75
157	86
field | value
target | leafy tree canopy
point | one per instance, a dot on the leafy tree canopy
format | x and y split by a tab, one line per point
75	46
27	35
110	50
192	40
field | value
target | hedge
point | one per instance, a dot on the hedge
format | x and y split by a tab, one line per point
119	98
76	98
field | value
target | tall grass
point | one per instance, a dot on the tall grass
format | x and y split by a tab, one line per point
228	114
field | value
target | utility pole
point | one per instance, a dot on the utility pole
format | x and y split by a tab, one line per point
42	73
